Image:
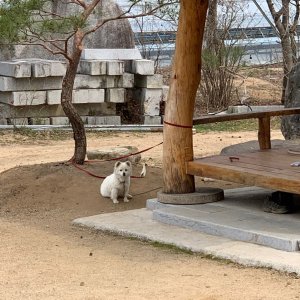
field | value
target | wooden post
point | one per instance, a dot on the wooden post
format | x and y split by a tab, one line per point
186	71
264	133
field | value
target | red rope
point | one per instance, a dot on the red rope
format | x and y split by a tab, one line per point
86	171
177	125
94	175
117	158
122	157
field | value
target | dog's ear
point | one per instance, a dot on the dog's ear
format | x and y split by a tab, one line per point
117	164
128	163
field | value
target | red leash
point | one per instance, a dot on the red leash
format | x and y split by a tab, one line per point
117	158
97	176
125	156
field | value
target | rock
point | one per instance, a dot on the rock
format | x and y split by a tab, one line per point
290	125
115	152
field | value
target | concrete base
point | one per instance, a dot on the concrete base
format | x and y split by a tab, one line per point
201	195
241	208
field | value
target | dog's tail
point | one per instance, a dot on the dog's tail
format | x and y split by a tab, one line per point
143	173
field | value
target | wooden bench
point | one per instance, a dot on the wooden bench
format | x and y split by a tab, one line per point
269	168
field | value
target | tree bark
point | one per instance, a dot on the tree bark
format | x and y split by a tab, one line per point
68	107
286	31
186	71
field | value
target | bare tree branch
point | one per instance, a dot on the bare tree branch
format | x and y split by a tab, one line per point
81	3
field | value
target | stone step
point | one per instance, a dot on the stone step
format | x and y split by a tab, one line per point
243	225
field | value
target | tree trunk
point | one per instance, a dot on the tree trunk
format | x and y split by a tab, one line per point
69	109
288	62
186	71
210	34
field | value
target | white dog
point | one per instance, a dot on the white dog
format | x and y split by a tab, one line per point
117	184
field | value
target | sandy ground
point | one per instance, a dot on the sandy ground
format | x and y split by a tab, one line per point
44	257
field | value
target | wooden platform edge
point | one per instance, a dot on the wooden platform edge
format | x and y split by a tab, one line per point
244	116
214	171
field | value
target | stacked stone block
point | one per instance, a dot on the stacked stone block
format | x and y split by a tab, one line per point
30	91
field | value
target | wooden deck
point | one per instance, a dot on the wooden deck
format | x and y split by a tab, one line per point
269	168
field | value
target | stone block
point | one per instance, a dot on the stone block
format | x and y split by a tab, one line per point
103	120
53	97
41	69
59	121
112	81
114	67
17	69
165	92
3	121
58	68
47	68
83	81
92	67
119	81
9	84
39	121
115	95
126	81
79	96
45	110
88	96
110	54
151	120
148	81
143	67
149	100
17	121
24	98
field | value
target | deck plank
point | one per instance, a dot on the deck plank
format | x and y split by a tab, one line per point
266	168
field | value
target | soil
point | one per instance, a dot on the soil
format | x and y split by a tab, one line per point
43	256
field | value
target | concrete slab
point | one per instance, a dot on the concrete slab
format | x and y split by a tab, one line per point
108	54
10	84
88	96
149	81
91	82
115	67
143	67
115	95
151	120
242	205
17	69
24	98
92	67
45	110
47	68
150	100
126	81
139	224
102	120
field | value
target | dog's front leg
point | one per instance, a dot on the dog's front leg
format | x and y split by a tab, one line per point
126	190
114	196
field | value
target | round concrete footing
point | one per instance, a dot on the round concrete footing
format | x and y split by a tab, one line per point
200	196
115	152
